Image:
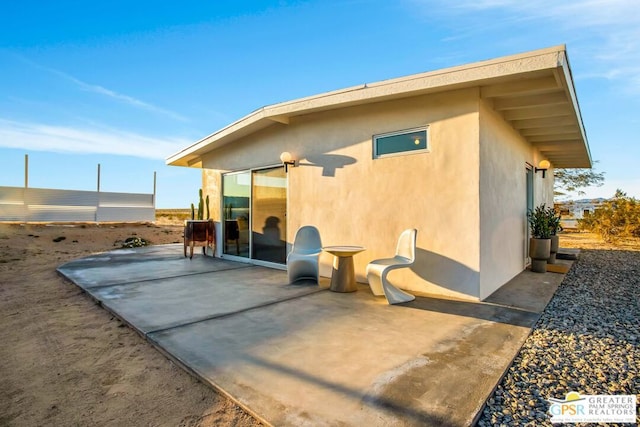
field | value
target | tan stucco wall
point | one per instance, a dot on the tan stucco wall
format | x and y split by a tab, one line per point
504	156
212	187
503	204
356	200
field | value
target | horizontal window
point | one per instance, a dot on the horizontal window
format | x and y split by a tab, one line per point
410	141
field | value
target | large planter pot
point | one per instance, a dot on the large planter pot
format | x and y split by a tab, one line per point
199	233
555	244
539	251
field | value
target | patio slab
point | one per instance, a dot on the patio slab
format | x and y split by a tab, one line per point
296	355
140	264
349	359
528	290
153	305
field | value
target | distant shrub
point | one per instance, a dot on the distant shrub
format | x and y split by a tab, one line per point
614	218
175	215
135	242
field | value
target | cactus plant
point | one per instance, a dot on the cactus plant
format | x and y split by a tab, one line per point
200	205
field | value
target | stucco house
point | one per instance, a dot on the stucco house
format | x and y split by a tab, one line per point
454	153
573	210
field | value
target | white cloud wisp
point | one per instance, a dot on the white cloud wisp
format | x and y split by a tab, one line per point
43	137
119	97
108	93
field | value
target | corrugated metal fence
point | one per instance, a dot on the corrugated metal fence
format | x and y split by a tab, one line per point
47	205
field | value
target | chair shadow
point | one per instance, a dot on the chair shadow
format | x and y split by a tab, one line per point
445	272
454	276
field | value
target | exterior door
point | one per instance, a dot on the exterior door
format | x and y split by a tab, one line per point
529	207
254	207
268	213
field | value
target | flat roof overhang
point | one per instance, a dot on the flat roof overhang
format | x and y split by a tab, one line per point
533	91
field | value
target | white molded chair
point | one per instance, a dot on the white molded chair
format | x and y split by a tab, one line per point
302	261
378	269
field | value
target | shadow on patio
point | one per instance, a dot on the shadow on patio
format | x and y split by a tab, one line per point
296	355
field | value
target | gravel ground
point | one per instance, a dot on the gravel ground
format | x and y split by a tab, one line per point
587	340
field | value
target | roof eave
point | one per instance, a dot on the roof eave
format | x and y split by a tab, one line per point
570	87
476	74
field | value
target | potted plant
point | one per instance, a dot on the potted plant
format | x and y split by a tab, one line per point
199	231
554	223
540	242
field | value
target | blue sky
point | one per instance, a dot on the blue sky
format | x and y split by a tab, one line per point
125	84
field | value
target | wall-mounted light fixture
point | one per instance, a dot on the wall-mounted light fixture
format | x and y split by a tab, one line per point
543	166
287	160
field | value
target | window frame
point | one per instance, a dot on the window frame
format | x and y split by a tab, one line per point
376	137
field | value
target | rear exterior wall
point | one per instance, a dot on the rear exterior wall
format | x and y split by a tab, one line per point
355	199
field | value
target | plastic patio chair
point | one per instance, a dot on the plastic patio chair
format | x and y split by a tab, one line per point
303	260
378	269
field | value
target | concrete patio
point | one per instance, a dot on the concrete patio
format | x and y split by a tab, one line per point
296	355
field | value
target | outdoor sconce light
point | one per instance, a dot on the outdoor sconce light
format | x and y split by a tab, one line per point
543	166
287	160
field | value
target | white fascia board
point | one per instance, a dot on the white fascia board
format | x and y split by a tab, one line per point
570	87
434	81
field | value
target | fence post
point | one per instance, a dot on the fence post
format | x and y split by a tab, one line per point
26	171
98	198
25	206
154	190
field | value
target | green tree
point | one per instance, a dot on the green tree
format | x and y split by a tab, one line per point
573	180
616	217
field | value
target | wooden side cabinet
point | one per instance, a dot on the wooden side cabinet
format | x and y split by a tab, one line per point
199	233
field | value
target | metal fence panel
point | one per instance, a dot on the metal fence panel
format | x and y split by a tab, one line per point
12	204
128	214
50	197
53	213
48	205
134	200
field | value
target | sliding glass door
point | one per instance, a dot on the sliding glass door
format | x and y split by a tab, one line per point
236	199
268	208
255	223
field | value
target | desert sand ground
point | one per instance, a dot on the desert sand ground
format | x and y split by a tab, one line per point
65	361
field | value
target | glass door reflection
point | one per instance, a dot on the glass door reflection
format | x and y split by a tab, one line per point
236	199
268	211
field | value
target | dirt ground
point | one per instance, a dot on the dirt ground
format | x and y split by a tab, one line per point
65	361
583	240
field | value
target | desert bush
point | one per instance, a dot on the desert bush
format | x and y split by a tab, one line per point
178	215
135	242
614	218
